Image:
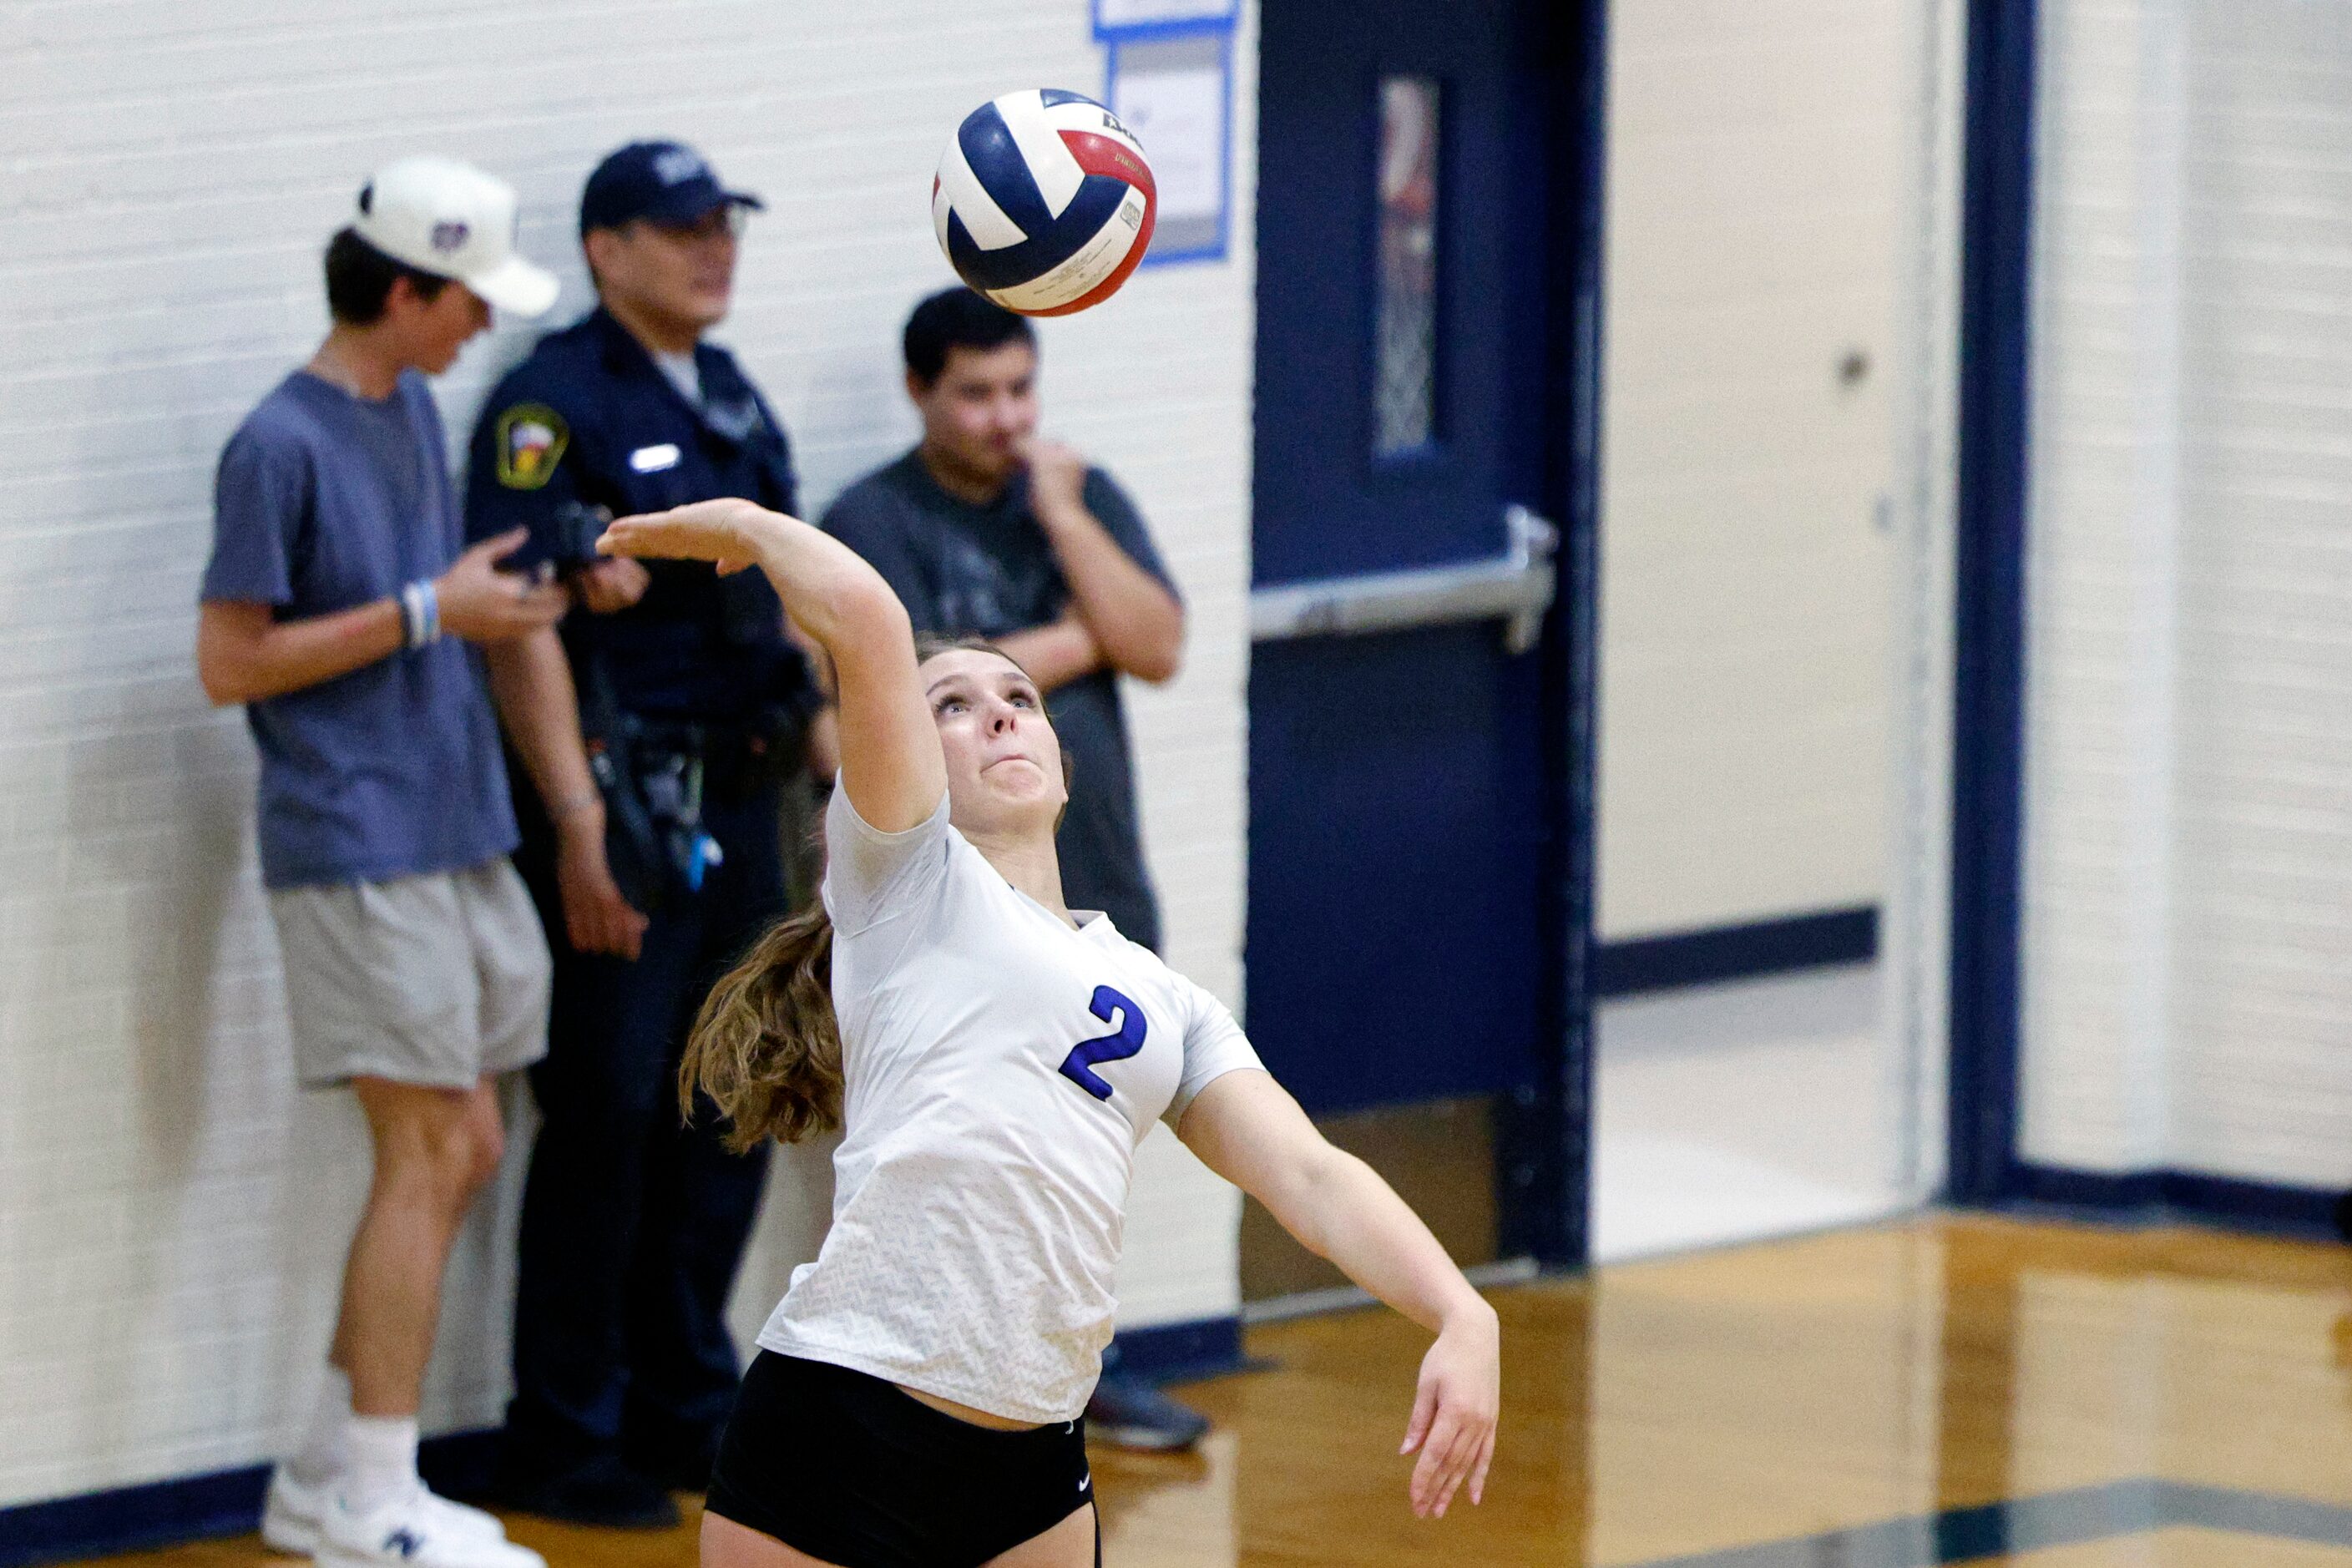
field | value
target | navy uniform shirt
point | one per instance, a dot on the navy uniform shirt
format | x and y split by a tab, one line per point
963	569
589	417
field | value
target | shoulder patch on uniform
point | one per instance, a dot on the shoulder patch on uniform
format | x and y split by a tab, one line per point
531	437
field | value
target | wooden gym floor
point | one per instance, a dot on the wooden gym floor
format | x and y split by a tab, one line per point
1953	1389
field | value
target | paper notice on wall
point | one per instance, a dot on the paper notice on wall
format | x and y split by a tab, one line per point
1177	116
1173	96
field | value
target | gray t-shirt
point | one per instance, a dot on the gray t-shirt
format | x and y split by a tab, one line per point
987	571
324	501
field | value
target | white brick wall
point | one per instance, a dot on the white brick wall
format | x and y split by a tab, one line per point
1759	211
2188	861
171	1213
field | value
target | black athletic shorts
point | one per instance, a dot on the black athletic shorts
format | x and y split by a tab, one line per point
854	1470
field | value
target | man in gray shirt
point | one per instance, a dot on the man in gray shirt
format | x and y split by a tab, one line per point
987	529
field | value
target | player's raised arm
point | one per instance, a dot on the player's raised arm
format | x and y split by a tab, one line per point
890	759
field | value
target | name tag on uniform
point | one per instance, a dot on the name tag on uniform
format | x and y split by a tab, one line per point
653	460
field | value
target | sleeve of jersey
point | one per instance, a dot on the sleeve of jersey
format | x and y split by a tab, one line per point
260	496
1117	513
871	876
521	465
1213	1047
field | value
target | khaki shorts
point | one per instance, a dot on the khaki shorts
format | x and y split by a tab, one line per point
439	980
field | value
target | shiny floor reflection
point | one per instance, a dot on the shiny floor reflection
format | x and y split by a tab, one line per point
1858	1398
1945	1390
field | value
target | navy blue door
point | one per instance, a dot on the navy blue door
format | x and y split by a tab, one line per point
1404	933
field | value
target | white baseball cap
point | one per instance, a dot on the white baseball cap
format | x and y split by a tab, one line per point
452	220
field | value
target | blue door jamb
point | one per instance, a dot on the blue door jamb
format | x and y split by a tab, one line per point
1988	678
1548	1155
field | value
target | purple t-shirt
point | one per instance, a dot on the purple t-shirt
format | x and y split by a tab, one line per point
324	501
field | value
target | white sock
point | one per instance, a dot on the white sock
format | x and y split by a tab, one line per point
379	1460
321	1455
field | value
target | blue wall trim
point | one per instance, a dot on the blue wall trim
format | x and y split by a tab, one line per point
229	1502
2114	1510
1989	680
1545	1171
2180	1194
189	1508
1735	952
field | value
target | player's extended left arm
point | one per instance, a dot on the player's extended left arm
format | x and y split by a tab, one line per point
1247	1128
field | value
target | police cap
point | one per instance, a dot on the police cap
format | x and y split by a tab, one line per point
662	182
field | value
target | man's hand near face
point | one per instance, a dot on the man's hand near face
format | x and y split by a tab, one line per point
1135	623
1057	481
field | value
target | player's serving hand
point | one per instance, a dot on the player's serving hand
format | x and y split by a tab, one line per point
730	532
1453	1412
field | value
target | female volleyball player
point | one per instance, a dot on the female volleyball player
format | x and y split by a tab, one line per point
995	1060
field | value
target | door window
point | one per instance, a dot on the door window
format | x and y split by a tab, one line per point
1404	330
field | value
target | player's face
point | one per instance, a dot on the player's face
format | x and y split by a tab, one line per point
682	273
1005	762
433	331
983	408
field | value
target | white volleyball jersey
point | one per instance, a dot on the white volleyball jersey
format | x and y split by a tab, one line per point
1001	1070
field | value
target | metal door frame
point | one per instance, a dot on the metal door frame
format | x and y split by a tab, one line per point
1546	1177
1548	582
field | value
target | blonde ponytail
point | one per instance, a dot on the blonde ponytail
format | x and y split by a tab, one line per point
766	1047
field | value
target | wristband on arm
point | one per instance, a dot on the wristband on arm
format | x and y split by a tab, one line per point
420	614
571	806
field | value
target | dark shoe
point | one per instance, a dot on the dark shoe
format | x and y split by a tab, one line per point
1129	1413
601	1492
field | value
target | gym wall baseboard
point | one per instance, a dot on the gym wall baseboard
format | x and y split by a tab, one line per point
1734	953
2154	1196
229	1502
190	1507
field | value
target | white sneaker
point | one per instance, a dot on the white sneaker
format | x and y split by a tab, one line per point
414	1529
289	1517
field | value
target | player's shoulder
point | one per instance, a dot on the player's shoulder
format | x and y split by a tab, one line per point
1137	958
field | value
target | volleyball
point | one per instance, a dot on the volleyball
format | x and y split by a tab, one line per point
1043	202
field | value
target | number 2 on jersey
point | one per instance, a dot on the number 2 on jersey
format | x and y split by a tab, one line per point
1078	1066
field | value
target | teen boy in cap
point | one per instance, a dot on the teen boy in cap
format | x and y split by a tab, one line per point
340	608
697	707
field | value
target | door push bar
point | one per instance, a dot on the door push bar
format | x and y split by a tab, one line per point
1516	588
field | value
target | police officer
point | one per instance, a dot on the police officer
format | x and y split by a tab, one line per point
657	732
